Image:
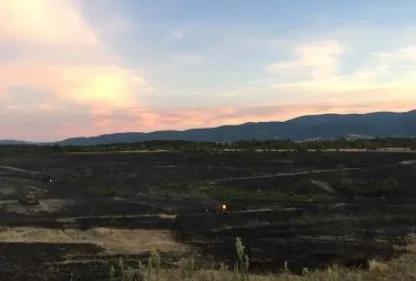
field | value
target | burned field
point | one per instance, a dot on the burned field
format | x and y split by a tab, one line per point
308	209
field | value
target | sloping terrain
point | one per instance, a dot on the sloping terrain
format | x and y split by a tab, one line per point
324	126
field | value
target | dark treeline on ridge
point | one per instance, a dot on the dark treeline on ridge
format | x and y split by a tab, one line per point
370	144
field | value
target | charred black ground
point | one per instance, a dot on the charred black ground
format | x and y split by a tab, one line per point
309	209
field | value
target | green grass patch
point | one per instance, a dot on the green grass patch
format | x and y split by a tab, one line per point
102	191
226	193
232	194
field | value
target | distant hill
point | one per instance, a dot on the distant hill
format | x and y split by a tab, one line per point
15	142
324	126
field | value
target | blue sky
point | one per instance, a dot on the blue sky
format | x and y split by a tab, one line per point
86	67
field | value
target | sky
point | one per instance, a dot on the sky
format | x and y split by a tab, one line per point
88	67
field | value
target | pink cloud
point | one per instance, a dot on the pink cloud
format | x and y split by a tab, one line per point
108	84
158	119
47	124
46	107
90	92
60	53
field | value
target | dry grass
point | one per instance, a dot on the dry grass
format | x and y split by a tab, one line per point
126	241
119	151
402	268
132	241
387	149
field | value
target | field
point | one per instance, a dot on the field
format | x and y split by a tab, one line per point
349	211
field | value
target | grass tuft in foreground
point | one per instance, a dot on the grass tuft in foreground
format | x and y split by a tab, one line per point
187	270
403	268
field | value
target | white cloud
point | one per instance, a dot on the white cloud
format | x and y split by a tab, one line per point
381	74
319	59
175	34
178	33
44	22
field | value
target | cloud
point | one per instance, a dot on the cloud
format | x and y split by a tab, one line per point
50	120
46	107
44	22
319	59
175	34
62	54
150	119
107	84
178	33
380	75
59	76
41	122
11	107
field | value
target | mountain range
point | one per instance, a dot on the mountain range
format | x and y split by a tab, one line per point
323	126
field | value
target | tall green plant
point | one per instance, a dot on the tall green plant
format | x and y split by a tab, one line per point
242	265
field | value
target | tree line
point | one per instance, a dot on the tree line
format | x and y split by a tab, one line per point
304	146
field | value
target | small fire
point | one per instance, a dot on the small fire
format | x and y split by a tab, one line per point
224	207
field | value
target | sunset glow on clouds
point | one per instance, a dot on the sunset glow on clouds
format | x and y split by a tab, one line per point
88	67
